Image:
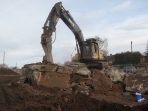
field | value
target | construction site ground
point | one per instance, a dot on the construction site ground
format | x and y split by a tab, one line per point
17	96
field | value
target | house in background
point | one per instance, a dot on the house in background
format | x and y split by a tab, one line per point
143	65
144	59
110	59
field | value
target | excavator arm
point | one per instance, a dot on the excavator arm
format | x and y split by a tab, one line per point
49	27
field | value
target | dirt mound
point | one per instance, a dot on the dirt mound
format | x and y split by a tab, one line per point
101	82
6	71
117	90
102	85
15	96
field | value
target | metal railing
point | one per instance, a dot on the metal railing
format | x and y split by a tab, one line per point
140	67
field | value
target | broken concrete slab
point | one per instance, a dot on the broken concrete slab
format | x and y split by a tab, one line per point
84	71
65	70
116	75
42	67
76	64
54	80
137	83
50	75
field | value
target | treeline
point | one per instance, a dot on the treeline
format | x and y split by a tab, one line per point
127	58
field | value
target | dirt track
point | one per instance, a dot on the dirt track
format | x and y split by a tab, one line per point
16	96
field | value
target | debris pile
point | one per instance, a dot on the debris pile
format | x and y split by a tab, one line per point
76	77
90	92
86	81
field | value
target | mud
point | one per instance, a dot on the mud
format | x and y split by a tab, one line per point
17	96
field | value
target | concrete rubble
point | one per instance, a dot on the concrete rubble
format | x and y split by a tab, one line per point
137	83
78	78
115	74
50	75
87	93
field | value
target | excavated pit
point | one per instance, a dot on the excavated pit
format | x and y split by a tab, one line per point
17	96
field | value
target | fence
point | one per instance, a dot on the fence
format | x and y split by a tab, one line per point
140	67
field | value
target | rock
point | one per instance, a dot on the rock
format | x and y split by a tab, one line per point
25	71
116	75
65	70
48	67
84	71
145	91
50	75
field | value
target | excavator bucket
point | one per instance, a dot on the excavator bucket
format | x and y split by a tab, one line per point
47	47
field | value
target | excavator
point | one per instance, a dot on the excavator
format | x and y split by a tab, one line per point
87	50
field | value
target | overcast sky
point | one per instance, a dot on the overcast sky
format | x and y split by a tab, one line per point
21	22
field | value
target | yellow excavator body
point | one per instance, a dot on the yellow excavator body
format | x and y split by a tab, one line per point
96	54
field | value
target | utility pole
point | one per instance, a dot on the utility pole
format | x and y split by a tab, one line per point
4	58
131	46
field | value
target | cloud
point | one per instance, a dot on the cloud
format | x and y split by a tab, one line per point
22	21
121	34
122	6
139	22
133	27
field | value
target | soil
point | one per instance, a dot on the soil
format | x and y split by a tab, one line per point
17	96
6	71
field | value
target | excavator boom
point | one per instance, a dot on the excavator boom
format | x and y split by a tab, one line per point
49	27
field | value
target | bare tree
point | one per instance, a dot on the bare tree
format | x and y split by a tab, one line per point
103	45
3	66
146	52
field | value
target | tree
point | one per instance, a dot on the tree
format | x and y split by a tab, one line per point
3	66
127	58
103	45
146	52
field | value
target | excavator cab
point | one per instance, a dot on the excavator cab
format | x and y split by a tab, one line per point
91	52
92	49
